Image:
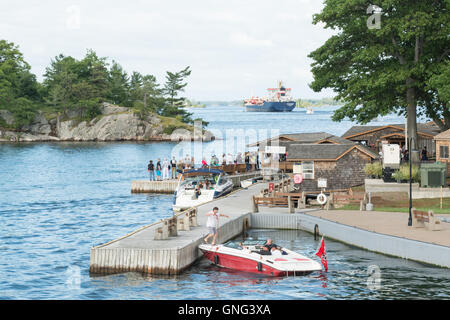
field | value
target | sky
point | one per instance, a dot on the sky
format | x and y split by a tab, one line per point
234	48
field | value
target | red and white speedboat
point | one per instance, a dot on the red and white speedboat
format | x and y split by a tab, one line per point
245	256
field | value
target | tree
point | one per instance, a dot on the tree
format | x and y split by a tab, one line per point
377	71
19	90
118	83
173	87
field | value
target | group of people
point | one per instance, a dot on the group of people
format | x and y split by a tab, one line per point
169	169
404	154
162	170
251	160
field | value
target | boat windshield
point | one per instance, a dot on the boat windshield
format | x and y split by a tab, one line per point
233	245
205	182
247	243
254	242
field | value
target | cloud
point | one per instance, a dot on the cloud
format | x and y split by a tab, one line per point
232	46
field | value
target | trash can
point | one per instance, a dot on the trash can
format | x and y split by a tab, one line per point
387	174
433	174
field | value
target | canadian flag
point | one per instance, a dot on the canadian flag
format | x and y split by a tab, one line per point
322	254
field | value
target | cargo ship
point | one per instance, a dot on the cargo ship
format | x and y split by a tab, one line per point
278	100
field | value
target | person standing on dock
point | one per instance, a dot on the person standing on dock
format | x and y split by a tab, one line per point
213	223
247	162
173	168
151	170
165	169
158	170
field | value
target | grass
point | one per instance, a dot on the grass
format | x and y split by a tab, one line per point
402	205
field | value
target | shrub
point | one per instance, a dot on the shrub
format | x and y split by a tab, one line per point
374	169
403	173
170	128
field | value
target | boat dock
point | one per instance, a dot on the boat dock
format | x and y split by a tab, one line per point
169	186
382	232
140	252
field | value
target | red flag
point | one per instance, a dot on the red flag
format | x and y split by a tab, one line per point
322	254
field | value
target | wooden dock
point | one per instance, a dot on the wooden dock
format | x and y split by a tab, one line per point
140	252
169	186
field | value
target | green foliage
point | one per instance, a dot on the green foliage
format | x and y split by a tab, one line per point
400	67
172	88
24	112
305	103
82	85
19	90
403	173
118	86
374	169
170	128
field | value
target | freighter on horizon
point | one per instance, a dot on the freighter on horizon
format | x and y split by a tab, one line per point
278	100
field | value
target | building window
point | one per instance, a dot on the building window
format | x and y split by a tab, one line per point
443	152
308	169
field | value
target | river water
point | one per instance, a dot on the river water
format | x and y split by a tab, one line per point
57	200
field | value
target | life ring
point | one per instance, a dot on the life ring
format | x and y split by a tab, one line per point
298	178
321	198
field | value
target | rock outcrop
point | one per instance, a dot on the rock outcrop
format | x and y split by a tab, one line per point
114	124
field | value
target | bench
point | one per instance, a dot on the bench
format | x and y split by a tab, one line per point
425	219
168	229
286	202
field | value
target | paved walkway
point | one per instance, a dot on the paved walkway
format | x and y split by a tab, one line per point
389	223
234	205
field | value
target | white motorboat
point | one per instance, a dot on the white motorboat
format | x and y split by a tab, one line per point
198	186
247	256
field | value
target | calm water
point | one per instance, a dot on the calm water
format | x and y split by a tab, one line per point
59	199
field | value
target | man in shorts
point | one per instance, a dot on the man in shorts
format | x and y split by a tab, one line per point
213	223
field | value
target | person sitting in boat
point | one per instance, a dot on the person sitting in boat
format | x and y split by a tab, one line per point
276	251
197	192
267	247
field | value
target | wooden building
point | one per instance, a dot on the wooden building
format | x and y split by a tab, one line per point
373	136
319	155
443	148
341	164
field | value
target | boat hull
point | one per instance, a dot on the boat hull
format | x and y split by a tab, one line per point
268	106
237	263
264	266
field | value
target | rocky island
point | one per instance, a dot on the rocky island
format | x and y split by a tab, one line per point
115	123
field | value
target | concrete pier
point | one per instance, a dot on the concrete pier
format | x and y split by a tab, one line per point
138	251
383	232
169	186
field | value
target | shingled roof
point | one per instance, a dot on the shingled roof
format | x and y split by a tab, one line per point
324	151
443	135
306	137
422	128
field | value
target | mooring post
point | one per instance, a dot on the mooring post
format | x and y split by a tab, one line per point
291	205
302	201
255	205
